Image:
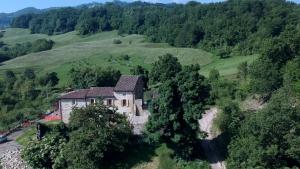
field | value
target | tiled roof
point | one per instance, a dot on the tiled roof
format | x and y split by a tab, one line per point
92	92
101	92
126	83
76	94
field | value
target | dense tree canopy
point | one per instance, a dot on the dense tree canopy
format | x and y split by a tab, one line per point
19	49
175	113
165	68
232	25
22	96
98	134
85	76
267	138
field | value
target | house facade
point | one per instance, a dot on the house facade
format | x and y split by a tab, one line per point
126	97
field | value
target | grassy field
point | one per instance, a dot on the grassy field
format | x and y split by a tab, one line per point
99	49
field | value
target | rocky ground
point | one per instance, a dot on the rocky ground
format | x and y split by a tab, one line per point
10	157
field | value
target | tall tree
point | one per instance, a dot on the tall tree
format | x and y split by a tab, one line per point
98	135
164	69
139	70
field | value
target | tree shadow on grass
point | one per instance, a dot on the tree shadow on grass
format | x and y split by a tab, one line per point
138	152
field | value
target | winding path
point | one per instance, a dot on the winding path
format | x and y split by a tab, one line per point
208	144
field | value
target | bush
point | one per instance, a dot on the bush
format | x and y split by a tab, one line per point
42	45
197	164
224	53
51	156
125	57
165	157
117	41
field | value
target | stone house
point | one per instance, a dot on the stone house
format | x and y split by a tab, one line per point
126	97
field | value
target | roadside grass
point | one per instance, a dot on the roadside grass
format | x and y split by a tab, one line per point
28	135
71	49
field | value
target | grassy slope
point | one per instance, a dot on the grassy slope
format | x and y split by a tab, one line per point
99	49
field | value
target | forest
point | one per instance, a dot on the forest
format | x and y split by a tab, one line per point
231	26
265	137
19	49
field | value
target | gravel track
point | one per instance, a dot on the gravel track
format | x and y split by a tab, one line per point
208	144
10	153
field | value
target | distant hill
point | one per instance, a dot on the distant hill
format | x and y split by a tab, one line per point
5	18
99	49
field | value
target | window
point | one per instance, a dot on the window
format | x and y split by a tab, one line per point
123	102
93	101
73	101
109	102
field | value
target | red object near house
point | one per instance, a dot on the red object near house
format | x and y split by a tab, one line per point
52	117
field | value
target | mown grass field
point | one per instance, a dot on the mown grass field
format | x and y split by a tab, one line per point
99	49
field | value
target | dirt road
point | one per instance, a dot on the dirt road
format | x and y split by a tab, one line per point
10	157
208	144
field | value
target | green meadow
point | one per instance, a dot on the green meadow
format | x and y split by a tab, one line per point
99	49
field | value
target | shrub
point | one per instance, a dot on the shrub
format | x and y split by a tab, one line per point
125	57
165	157
224	52
51	156
117	41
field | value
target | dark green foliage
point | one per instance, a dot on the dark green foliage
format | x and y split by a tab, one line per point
85	76
266	73
265	76
42	45
22	97
22	21
292	76
51	157
52	22
117	41
165	157
267	138
224	52
29	74
97	136
223	88
99	19
175	114
164	69
243	70
233	25
214	75
2	44
10	77
194	91
7	52
139	70
230	118
50	79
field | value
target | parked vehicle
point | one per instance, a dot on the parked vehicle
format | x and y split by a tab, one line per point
3	139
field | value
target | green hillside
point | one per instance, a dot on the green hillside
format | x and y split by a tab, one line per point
99	49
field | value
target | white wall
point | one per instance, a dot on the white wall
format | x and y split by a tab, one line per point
67	106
